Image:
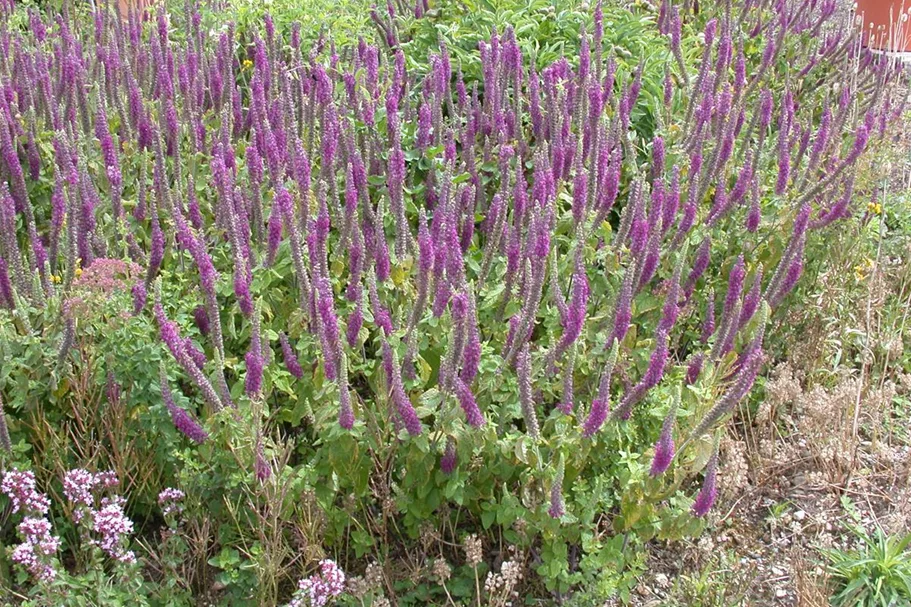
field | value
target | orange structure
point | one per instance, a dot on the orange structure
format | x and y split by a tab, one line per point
128	6
887	24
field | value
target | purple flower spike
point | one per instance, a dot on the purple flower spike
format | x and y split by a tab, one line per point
261	466
664	448
291	361
785	127
754	215
596	417
140	295
708	325
201	318
400	399
700	264
694	369
450	458
706	497
345	412
623	313
710	29
329	334
735	285
254	379
254	358
751	299
466	400
355	322
766	104
657	157
185	423
790	279
282	198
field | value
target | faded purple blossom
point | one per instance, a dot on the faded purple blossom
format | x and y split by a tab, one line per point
170	500
557	507
253	379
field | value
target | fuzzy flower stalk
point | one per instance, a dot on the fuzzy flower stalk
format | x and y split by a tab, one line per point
601	404
664	448
705	499
557	508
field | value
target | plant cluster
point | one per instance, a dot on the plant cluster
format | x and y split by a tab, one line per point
103	527
494	298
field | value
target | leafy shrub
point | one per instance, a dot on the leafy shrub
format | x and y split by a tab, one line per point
877	573
342	21
371	310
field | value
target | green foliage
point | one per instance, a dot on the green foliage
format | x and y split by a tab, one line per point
719	582
91	589
344	21
877	573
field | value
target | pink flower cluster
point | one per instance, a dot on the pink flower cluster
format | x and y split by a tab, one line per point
36	552
169	500
79	486
318	589
110	522
21	489
108	275
114	527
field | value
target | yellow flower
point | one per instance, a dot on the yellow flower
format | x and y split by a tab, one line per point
874	208
55	278
78	272
863	269
247	64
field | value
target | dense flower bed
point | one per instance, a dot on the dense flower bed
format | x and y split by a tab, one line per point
493	298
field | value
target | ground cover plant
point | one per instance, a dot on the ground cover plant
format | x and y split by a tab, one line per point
342	320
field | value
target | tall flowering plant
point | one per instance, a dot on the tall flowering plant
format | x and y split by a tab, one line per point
505	270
